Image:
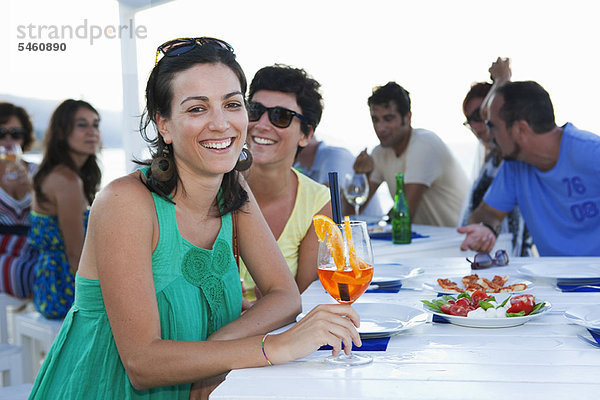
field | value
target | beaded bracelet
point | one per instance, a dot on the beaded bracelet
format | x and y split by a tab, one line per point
263	349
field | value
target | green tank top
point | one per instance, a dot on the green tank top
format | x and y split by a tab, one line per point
197	292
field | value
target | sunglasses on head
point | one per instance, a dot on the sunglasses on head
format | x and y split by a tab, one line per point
176	47
474	117
279	116
15	133
484	260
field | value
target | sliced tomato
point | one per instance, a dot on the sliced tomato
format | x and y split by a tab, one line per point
477	296
463	302
524	302
446	308
455	309
460	311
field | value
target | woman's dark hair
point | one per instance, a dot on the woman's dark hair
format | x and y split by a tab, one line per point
527	101
391	92
283	78
159	95
56	151
8	110
478	90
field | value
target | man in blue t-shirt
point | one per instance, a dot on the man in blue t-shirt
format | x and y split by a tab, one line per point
552	173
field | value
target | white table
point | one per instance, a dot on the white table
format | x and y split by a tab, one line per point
542	359
439	242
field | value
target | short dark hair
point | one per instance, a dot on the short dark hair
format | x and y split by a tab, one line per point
527	101
8	110
56	151
389	92
287	79
478	90
159	95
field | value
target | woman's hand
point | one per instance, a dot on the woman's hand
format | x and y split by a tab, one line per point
331	324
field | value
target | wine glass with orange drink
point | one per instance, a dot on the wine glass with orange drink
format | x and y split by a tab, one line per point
10	156
345	267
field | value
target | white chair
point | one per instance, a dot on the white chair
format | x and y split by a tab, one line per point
16	392
35	334
11	363
5	302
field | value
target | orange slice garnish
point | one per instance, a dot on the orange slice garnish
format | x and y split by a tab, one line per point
325	227
322	224
340	277
362	264
351	250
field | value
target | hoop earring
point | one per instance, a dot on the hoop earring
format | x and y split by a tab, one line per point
244	161
162	166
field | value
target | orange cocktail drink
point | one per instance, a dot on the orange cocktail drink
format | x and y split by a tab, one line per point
343	285
345	267
345	264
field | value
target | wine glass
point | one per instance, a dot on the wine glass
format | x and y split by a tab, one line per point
345	268
11	155
356	190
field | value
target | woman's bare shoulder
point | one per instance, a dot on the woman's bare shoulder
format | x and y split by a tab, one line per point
61	178
128	188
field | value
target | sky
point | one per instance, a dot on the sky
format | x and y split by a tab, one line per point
436	49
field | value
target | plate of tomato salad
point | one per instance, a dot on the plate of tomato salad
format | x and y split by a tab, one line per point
499	310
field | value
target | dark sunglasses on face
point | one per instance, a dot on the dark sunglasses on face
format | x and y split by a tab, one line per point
179	46
474	117
484	260
279	116
15	133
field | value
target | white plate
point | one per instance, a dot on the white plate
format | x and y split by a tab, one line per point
382	320
586	316
458	280
562	270
491	322
392	274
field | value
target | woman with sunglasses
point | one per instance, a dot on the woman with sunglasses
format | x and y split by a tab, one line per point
285	107
17	259
158	307
474	109
64	187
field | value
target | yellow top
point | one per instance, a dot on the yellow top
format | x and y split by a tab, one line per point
310	199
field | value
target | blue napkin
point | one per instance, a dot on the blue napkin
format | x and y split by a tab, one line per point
595	335
439	320
388	235
385	289
579	286
370	344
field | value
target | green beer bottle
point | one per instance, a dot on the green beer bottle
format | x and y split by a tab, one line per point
401	229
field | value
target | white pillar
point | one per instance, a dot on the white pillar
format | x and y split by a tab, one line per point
133	144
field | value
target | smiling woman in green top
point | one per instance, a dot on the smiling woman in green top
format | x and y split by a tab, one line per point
158	296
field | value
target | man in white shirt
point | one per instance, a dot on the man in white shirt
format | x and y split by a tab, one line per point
435	184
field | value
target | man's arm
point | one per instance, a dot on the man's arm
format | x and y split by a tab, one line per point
500	74
484	226
414	194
